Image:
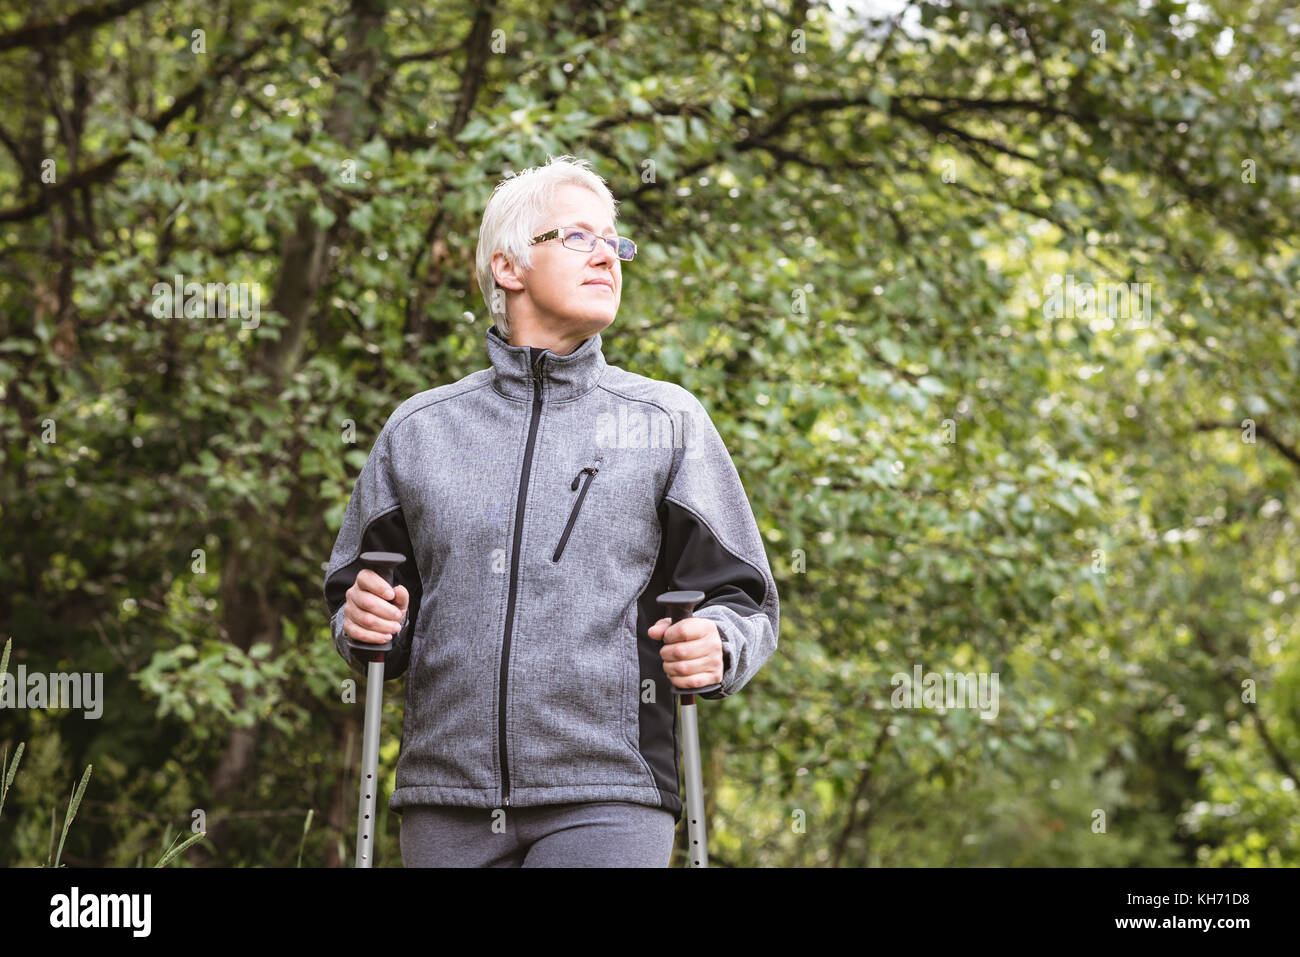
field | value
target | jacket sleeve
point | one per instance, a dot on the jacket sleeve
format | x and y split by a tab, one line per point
712	544
374	522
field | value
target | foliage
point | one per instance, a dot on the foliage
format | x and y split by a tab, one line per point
851	231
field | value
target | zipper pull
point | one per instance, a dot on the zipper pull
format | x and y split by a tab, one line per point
577	478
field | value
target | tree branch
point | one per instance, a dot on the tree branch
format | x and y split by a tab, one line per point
60	28
1288	452
106	168
1279	759
864	782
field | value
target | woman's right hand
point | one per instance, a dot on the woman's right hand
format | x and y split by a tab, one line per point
374	611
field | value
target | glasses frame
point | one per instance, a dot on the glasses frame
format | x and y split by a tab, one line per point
557	233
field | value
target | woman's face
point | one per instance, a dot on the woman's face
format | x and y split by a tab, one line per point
558	291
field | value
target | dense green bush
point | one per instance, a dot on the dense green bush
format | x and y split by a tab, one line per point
854	239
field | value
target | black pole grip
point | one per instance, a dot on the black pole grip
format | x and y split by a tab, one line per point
680	605
386	565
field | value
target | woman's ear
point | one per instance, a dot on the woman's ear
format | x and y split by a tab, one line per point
505	272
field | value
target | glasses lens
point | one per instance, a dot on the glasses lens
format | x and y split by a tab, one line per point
585	241
580	240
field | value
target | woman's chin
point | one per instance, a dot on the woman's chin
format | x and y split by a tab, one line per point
594	319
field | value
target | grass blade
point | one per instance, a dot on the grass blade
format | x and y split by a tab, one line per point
172	854
7	771
306	826
72	811
168	849
49	855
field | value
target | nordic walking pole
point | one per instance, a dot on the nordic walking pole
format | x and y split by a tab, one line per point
680	604
385	563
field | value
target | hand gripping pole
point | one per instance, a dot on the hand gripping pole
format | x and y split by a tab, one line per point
386	564
680	604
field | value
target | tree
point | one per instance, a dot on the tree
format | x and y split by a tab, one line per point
980	297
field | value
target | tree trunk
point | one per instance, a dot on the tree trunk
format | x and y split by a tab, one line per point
250	613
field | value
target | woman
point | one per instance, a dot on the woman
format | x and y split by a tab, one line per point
543	504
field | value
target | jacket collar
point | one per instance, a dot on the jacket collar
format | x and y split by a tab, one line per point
563	377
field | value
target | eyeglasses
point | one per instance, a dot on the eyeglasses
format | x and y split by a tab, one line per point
584	241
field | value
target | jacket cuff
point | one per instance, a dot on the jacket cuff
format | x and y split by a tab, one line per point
728	668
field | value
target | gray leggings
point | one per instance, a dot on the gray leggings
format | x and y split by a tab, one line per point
586	834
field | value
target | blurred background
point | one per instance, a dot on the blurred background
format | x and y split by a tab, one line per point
994	305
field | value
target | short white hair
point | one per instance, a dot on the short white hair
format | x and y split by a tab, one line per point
517	211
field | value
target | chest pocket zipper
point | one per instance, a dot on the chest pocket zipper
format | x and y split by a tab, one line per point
591	471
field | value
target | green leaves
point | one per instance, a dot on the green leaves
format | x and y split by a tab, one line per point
324	217
142	130
936	480
361	218
241	688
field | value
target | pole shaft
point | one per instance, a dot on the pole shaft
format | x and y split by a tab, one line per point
370	763
695	828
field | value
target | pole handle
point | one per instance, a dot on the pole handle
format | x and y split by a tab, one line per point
386	565
680	605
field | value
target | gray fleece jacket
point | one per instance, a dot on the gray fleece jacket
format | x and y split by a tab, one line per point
543	504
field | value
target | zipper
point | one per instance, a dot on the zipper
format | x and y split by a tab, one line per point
514	579
573	516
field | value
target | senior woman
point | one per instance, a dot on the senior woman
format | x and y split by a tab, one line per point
543	502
